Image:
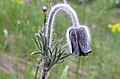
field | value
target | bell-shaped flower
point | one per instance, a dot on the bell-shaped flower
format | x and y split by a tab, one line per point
79	40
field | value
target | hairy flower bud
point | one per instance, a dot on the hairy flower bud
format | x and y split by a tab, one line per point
44	9
79	41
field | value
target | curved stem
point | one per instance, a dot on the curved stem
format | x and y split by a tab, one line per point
69	10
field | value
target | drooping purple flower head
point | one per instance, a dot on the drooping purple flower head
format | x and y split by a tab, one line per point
79	41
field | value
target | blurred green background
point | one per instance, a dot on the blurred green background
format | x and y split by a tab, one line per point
20	19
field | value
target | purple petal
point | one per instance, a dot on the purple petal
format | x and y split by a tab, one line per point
83	38
80	41
74	42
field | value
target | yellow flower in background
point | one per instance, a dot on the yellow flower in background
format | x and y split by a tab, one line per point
20	2
114	28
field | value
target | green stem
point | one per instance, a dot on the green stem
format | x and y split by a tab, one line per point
83	19
45	16
36	72
77	74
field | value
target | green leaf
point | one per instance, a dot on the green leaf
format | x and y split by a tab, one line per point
36	42
37	52
64	73
65	56
54	56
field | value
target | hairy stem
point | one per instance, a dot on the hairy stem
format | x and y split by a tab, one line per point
69	10
45	16
65	2
44	73
43	77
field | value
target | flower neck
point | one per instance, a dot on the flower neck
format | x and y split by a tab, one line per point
69	10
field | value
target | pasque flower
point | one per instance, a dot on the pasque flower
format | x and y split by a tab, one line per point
51	53
78	36
79	40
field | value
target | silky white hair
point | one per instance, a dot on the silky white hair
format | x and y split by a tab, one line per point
50	22
51	17
67	35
